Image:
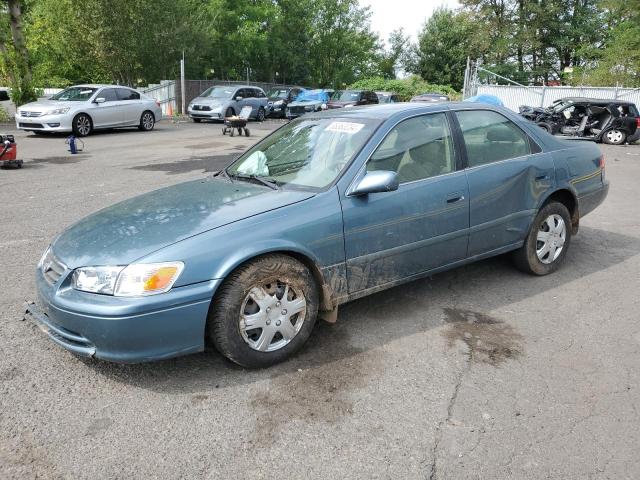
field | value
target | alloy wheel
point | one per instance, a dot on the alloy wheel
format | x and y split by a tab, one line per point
272	315
551	238
147	121
83	125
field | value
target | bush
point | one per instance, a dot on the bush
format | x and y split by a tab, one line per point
4	116
405	87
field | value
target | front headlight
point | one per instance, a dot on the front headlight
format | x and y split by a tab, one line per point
348	106
132	281
58	111
96	279
278	103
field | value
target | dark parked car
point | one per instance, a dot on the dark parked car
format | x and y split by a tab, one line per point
388	97
603	120
352	98
279	98
431	98
331	207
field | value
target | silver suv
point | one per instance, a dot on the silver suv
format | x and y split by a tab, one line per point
218	102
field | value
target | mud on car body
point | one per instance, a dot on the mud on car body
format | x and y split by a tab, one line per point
603	120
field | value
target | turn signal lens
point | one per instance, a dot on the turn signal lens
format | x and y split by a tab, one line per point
147	279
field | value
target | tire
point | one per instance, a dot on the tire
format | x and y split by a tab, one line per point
261	115
230	112
197	120
82	125
147	121
531	257
614	137
546	127
257	289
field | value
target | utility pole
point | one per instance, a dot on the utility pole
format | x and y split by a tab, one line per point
182	82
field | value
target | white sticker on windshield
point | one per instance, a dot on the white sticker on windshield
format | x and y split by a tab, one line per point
345	127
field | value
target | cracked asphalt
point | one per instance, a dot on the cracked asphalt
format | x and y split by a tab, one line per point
478	373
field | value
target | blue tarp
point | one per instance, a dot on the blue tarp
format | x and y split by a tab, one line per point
484	98
313	95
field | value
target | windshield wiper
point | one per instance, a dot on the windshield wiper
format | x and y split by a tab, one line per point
267	182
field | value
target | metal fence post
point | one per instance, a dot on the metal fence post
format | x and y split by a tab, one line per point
544	91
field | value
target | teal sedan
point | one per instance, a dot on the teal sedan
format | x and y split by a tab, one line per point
331	207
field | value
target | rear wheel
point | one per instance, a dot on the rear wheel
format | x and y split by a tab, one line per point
548	240
147	121
82	125
614	137
264	311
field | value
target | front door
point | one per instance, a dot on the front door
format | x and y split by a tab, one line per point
507	176
107	113
424	224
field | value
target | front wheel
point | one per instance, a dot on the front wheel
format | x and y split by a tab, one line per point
614	137
548	240
261	115
264	311
147	121
82	125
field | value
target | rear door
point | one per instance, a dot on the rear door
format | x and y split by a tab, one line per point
423	225
507	173
131	105
107	113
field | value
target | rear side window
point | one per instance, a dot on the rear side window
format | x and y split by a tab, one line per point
259	94
417	148
490	137
126	94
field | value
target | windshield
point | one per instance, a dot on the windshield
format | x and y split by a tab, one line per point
218	92
74	94
309	153
277	93
346	96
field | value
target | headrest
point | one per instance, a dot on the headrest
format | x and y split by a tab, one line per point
502	134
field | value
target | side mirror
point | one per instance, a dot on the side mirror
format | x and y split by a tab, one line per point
238	98
99	100
376	182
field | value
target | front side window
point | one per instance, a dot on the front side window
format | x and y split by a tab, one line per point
307	153
490	137
417	148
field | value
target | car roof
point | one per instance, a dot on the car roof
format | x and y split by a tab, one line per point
597	101
100	85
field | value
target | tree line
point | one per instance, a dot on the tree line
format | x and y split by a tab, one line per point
311	42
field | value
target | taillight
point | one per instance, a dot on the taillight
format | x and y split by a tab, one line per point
602	162
638	121
157	103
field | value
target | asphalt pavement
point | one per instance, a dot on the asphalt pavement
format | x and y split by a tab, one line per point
482	372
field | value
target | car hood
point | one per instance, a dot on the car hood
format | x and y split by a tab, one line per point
306	102
134	228
46	105
211	102
338	104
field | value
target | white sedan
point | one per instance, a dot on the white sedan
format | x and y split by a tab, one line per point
83	108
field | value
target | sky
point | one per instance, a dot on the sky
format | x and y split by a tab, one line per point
388	15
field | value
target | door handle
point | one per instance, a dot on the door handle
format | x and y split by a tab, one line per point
542	177
456	197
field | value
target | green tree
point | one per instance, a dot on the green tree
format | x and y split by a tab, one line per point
397	57
13	52
443	47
